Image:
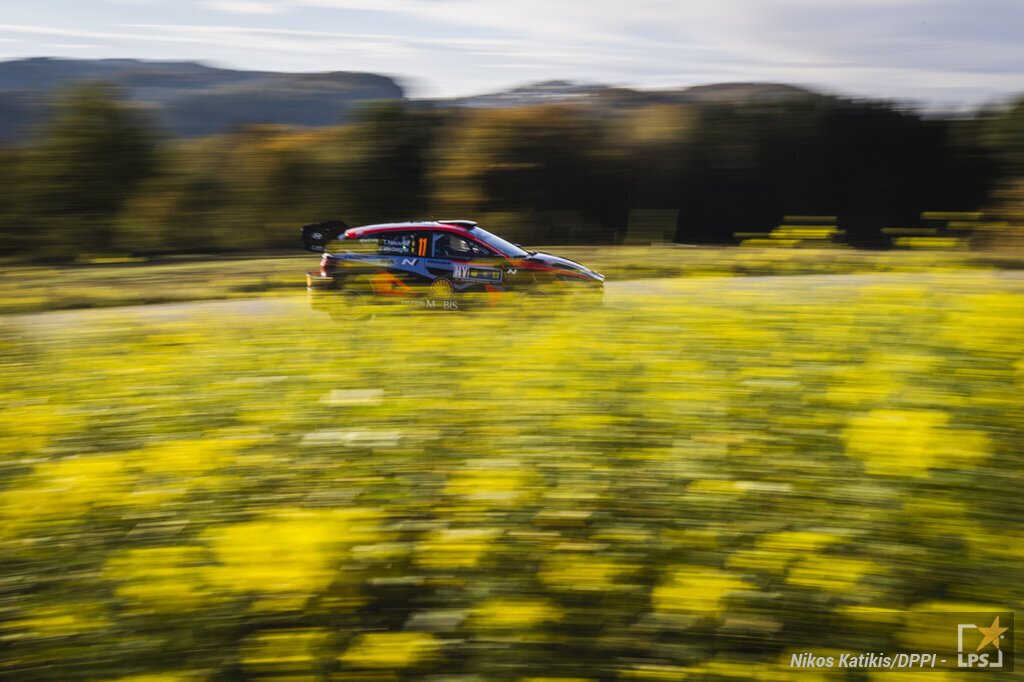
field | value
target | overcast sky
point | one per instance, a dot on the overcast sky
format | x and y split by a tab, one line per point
946	52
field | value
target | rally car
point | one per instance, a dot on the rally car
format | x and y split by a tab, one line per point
439	265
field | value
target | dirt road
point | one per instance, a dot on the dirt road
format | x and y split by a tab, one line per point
784	288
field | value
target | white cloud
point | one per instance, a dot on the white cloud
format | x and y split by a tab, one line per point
271	41
871	46
57	31
71	46
244	6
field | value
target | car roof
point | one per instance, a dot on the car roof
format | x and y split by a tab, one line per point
450	225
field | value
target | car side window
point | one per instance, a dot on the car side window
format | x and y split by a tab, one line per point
478	251
403	244
452	246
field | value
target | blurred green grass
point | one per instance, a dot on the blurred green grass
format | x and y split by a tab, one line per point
29	289
688	484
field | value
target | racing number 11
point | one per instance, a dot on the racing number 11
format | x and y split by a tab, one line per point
422	250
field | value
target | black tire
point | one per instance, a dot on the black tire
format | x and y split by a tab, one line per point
348	305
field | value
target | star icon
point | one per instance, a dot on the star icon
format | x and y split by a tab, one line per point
991	633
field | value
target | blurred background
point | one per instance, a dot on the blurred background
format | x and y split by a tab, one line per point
98	171
793	427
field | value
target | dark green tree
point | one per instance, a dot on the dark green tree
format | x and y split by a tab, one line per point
385	176
750	164
15	209
1004	135
526	161
873	164
86	162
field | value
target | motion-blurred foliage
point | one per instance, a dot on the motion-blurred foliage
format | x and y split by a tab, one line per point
68	188
99	180
688	485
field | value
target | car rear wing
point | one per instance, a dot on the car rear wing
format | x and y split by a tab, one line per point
316	235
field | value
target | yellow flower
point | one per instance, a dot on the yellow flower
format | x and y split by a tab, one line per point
835	574
908	443
271	648
695	589
62	620
582	572
160	578
293	551
515	614
455	548
389	650
63	491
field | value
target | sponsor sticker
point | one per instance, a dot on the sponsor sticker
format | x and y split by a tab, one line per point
430	303
474	273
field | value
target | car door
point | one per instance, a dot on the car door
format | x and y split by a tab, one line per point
401	253
472	264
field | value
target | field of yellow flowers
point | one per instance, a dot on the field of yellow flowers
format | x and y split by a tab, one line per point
693	482
114	282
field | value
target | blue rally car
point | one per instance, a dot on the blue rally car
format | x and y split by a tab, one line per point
435	265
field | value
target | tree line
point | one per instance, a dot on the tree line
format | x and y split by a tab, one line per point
99	177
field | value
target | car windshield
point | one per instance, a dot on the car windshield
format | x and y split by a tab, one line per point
495	242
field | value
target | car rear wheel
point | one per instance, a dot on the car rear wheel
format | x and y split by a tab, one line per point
349	305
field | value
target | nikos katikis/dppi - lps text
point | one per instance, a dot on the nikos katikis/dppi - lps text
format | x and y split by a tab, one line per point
879	661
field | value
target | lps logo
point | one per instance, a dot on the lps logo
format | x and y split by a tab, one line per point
990	636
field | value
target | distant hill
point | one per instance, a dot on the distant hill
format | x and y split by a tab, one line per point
557	92
193	100
188	98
